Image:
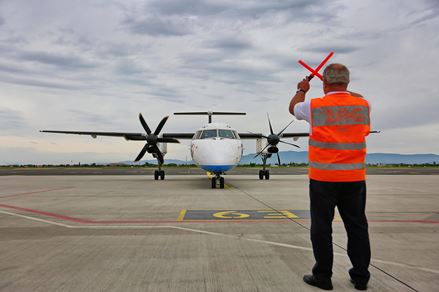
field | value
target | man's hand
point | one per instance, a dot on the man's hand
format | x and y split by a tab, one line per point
355	94
300	95
304	85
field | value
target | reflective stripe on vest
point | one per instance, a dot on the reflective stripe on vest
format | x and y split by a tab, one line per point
340	115
338	146
337	166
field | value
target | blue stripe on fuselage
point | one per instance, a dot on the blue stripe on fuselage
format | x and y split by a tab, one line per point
216	168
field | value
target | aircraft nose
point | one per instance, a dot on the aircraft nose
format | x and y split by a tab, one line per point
218	156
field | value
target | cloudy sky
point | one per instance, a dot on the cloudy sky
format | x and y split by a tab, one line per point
94	65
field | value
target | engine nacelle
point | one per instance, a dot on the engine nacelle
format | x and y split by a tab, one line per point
260	144
163	148
273	149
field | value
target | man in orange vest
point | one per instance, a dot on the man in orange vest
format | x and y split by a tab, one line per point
337	150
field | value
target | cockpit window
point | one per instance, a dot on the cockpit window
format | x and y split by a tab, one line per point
197	135
226	134
208	134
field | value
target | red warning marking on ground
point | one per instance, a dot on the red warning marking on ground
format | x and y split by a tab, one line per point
47	214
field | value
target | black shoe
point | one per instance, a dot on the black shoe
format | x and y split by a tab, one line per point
359	286
325	284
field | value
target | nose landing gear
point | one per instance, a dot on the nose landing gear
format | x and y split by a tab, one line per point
218	180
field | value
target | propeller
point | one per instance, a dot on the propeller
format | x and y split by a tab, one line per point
152	139
274	139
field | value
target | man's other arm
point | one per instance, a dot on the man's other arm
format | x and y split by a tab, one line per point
355	94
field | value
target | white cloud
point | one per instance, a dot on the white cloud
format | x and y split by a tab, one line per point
76	65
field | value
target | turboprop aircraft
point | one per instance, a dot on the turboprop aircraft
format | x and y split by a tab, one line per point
215	147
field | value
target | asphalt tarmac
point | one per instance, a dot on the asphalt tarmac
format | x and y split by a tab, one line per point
197	171
132	233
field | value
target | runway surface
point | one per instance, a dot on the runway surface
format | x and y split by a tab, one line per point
198	171
131	233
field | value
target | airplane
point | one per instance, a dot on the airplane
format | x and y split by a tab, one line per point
215	147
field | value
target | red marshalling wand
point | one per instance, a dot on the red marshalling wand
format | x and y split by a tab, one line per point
315	72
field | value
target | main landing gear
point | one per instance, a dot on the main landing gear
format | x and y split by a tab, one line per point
264	173
217	180
159	174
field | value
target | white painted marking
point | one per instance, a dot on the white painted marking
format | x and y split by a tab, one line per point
239	237
406	266
35	219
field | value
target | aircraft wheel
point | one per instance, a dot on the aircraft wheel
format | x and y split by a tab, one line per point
156	174
162	174
221	183
213	182
261	174
267	174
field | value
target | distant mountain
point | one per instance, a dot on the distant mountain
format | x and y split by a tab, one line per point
371	158
302	157
154	161
390	158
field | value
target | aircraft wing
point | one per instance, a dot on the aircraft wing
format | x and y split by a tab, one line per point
178	135
284	135
294	135
259	135
127	136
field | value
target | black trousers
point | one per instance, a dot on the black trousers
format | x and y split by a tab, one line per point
350	199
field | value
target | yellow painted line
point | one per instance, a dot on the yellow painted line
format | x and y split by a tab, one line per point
181	215
230	215
282	214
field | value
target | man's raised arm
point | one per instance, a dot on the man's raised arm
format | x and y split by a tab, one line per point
302	89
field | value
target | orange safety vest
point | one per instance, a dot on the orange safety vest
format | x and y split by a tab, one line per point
337	146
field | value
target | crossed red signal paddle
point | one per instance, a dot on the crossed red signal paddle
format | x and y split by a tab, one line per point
315	72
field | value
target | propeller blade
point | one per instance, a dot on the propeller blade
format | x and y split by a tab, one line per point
261	151
167	140
142	153
160	157
280	133
289	143
160	126
278	158
269	122
144	124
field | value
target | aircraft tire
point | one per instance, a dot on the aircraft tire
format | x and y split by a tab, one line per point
221	183
162	174
213	182
261	174
267	174
156	174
